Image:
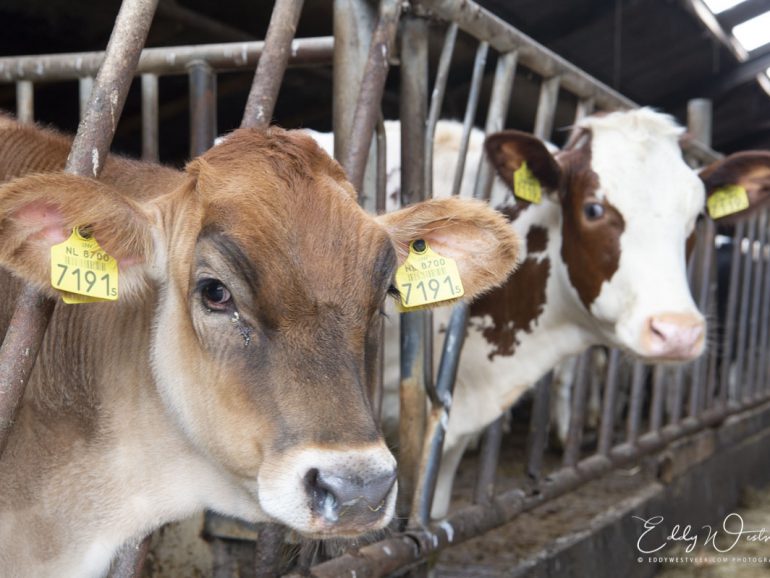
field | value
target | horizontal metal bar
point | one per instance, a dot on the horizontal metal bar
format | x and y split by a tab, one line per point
167	60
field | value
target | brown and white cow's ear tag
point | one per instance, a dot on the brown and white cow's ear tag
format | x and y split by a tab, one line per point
427	277
727	200
526	186
82	271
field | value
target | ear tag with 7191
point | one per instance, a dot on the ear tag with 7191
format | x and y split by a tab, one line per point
526	186
83	271
427	277
727	200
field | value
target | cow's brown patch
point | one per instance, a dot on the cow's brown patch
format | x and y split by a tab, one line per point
537	239
590	248
514	307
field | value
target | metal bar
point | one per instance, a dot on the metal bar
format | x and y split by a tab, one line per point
85	86
537	438
402	550
743	316
163	61
272	64
637	398
585	107
203	107
658	397
490	453
765	325
577	411
756	252
25	101
470	113
732	305
414	355
546	108
439	417
436	101
607	430
267	555
89	149
150	150
373	83
130	559
505	72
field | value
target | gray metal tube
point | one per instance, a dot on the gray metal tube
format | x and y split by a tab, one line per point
25	101
732	306
546	108
637	397
203	107
577	411
743	316
755	303
607	430
537	438
150	117
85	86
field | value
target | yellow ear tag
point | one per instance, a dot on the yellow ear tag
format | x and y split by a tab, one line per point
426	277
525	185
727	200
82	271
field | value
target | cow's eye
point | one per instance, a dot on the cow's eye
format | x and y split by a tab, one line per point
593	211
215	294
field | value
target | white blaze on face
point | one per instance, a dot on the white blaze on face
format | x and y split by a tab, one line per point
647	306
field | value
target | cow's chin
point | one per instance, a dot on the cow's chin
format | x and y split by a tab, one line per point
330	493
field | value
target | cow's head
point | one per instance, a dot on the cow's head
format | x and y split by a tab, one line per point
629	204
271	282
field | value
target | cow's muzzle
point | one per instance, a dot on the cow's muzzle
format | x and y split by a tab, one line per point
333	496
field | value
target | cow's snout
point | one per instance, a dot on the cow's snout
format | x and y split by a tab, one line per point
674	336
333	495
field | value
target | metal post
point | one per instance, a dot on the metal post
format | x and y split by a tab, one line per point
490	453
607	430
150	117
25	101
743	316
577	411
272	64
756	251
203	107
637	397
85	86
762	369
732	306
537	438
546	107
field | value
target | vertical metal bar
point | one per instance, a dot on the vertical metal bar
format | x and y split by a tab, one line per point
439	418
637	398
272	63
436	101
505	72
577	411
85	86
203	107
25	101
756	253
470	113
490	453
658	396
30	319
130	559
585	107
607	431
764	325
546	107
414	92
150	117
732	306
537	438
743	316
368	104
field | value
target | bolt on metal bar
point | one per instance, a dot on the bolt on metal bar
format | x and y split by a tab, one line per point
537	438
272	64
743	316
85	86
471	106
731	308
756	254
637	399
607	430
439	415
89	149
546	108
436	102
368	104
484	489
165	61
203	107
499	101
577	411
150	151
25	101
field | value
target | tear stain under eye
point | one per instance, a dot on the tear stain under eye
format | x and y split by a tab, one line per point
244	330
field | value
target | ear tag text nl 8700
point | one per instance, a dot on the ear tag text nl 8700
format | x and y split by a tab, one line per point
83	271
727	200
526	186
427	277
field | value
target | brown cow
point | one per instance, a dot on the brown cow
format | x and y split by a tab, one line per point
232	372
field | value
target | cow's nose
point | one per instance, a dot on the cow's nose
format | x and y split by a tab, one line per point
674	336
333	495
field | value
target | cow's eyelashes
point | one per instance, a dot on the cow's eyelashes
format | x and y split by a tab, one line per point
593	211
215	295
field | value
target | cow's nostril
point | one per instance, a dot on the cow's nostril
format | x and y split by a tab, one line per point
657	331
332	495
322	496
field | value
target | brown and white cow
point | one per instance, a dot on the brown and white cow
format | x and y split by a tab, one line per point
604	260
232	374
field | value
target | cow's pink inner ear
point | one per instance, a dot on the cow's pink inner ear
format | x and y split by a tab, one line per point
43	220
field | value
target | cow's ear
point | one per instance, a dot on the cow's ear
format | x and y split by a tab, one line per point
39	211
510	149
749	170
477	237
